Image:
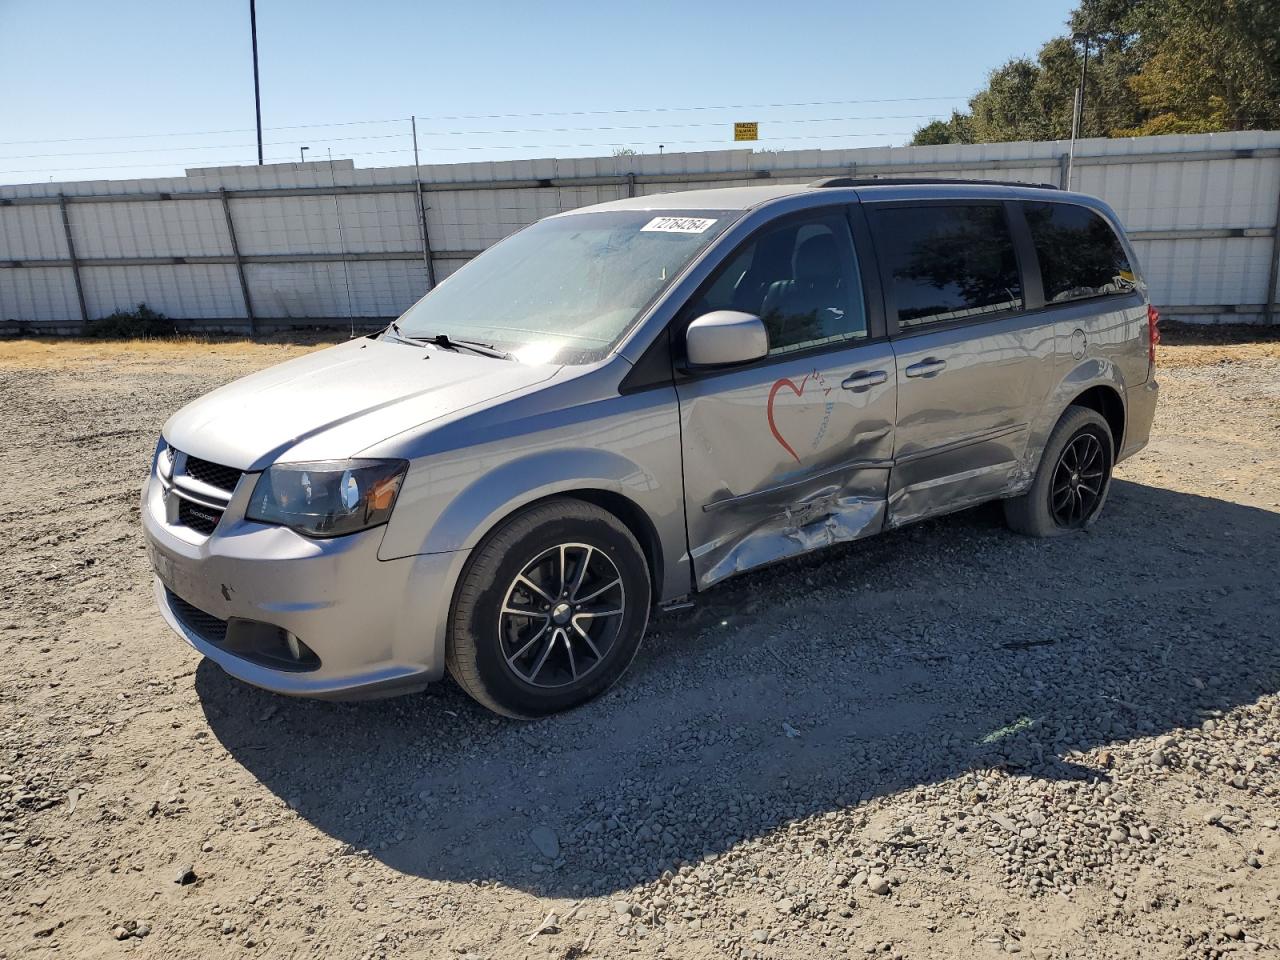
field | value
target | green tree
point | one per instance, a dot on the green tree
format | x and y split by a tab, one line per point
958	129
1156	66
1208	65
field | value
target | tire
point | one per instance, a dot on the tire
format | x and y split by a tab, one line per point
496	653
1033	514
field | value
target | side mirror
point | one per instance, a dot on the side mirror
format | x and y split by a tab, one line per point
725	337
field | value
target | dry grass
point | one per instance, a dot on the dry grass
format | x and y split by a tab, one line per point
57	353
1208	354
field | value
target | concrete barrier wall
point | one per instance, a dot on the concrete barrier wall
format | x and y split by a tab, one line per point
296	244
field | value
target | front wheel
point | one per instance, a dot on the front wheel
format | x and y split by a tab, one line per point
550	610
1073	480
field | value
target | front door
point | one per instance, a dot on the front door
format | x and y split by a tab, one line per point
973	365
791	452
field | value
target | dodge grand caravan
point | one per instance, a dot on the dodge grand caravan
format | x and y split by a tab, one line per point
623	405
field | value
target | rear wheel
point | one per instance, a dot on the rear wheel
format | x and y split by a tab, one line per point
1073	480
550	610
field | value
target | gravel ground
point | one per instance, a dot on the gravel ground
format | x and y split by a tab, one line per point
948	741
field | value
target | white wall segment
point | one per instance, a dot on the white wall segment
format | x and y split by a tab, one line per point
369	245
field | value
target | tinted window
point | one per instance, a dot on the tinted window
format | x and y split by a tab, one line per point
948	262
1080	255
800	278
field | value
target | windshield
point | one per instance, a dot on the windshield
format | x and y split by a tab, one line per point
566	289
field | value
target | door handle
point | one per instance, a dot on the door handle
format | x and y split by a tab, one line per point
864	380
928	367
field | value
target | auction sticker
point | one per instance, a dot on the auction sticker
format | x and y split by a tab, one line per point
677	225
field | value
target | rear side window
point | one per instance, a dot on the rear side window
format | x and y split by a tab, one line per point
947	262
1080	255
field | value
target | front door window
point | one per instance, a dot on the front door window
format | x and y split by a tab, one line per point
801	279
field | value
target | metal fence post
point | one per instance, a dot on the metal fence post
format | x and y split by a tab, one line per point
1273	278
421	201
71	255
428	259
235	252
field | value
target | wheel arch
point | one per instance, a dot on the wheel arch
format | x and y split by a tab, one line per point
1096	383
602	478
1106	400
624	509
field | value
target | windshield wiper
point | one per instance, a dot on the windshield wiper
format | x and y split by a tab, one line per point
446	342
404	337
484	349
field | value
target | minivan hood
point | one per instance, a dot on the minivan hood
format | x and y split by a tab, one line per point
335	402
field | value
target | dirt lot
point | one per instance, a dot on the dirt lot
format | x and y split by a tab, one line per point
946	742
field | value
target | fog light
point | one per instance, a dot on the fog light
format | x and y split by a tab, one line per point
269	645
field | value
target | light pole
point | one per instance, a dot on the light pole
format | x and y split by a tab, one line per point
302	154
257	95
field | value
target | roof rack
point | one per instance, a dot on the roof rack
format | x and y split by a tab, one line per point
905	181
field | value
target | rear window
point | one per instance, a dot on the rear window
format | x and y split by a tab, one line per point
1080	255
948	262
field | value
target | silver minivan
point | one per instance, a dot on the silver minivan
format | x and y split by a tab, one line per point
621	406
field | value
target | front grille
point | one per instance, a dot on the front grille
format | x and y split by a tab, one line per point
198	506
214	474
204	625
200	518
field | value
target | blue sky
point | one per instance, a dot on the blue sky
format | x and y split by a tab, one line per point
132	88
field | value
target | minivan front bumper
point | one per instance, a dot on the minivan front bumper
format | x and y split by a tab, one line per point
375	626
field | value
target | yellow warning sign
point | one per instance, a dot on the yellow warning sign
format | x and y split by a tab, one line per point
746	131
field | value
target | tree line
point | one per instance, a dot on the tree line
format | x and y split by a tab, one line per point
1155	66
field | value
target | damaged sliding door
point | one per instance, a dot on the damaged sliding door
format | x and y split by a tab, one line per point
792	452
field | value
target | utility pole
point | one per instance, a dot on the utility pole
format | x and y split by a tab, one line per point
1078	123
1077	109
257	93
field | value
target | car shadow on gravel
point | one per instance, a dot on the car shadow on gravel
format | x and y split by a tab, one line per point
808	688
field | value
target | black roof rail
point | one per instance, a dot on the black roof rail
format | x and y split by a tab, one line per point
907	181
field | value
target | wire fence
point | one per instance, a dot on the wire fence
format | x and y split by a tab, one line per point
252	249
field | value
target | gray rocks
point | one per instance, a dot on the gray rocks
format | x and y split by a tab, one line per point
545	839
130	928
944	787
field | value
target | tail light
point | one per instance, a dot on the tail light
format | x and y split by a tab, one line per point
1153	332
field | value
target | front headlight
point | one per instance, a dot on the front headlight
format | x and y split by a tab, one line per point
329	498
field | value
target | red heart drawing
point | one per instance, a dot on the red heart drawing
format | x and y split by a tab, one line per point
773	427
